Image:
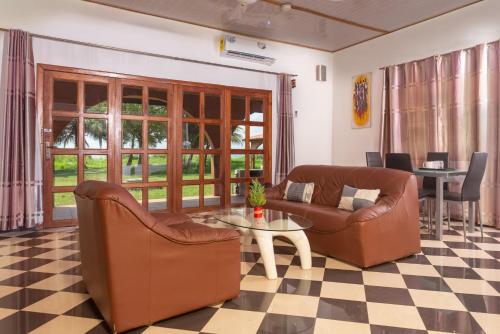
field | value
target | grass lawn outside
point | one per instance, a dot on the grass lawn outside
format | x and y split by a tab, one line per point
95	168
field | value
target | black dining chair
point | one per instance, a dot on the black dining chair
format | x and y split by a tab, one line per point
374	159
428	189
471	188
401	161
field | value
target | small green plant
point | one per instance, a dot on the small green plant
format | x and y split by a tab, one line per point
256	196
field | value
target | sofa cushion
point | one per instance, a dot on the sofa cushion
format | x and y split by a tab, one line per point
327	219
299	192
354	199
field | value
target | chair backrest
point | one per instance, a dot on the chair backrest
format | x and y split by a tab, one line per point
472	183
374	159
401	161
430	182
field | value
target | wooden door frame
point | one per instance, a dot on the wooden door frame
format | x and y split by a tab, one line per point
114	137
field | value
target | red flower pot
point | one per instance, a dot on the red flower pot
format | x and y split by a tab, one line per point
258	212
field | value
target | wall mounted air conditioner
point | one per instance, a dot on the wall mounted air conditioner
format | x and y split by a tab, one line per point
245	49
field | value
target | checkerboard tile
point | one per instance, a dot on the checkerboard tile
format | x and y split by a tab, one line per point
451	287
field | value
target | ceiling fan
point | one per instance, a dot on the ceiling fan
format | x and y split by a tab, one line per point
241	7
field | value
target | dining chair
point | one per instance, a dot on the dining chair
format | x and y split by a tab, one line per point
401	161
471	188
374	159
428	189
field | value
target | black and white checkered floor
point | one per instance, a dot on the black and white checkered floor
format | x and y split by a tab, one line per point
452	287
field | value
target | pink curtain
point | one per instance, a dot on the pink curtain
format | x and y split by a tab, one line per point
20	169
285	147
448	103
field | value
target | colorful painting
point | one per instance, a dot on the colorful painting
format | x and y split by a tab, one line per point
361	101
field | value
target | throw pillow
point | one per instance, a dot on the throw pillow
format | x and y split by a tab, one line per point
354	199
299	192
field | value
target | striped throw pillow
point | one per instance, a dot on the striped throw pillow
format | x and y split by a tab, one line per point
354	199
299	192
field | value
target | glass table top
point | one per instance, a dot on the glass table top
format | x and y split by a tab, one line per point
272	221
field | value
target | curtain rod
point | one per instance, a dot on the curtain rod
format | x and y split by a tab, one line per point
487	44
150	54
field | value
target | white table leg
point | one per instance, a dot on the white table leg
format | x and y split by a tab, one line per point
472	216
265	242
300	241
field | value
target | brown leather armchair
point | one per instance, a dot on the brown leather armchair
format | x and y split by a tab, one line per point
140	267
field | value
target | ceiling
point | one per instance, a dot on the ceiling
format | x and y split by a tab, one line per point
329	25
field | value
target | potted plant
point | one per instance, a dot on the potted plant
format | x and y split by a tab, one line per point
257	198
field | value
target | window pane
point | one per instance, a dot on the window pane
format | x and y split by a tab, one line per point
191	196
212	137
157	198
131	134
96	133
256	165
238	137
65	170
64	206
212	106
131	168
256	110
157	135
132	100
212	194
96	98
65	95
237	108
191	105
157	102
136	193
190	166
65	132
256	137
95	167
190	135
212	166
237	193
237	165
157	167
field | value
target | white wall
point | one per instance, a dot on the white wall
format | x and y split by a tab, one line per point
463	28
82	21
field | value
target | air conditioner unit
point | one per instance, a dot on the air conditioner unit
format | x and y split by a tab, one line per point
245	49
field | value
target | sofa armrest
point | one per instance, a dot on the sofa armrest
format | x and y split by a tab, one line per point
273	193
370	213
194	233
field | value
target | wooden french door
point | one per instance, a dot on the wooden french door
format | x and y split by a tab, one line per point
77	137
199	125
175	146
144	151
248	132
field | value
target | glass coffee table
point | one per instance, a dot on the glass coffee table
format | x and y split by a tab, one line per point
274	223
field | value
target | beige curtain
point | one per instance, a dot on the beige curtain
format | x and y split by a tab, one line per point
285	146
448	103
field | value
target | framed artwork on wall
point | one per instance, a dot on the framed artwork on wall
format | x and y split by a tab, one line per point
361	100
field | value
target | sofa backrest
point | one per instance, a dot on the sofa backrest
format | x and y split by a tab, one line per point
330	180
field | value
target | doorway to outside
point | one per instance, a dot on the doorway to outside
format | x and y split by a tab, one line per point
175	146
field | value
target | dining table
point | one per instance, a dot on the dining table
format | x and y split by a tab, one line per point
442	176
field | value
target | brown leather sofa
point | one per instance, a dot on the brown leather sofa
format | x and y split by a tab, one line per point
140	267
387	231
